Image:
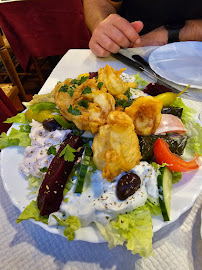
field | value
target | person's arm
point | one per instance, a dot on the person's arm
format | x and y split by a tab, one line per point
96	11
109	31
192	31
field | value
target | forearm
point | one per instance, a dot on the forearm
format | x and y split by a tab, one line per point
191	31
96	11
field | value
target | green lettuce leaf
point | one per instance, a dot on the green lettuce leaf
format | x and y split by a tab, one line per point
154	208
177	176
72	224
16	137
194	130
19	118
32	211
34	183
134	228
141	83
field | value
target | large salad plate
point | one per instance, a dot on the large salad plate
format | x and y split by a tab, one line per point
71	65
179	62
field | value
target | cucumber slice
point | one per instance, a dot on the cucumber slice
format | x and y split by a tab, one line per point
164	180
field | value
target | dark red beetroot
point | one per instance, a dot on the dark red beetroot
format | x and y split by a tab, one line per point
51	191
154	89
92	74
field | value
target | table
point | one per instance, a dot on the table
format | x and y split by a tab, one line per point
27	246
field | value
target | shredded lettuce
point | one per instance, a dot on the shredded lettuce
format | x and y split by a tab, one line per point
19	118
141	83
154	208
34	183
16	137
194	130
176	177
134	228
32	211
72	224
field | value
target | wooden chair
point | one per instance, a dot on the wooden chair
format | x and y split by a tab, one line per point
14	90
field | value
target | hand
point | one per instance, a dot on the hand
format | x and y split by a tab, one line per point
113	33
157	37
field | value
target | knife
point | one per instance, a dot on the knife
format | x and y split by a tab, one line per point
135	65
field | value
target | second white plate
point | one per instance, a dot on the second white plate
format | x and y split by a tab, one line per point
179	62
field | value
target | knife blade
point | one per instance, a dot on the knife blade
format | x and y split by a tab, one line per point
142	61
135	65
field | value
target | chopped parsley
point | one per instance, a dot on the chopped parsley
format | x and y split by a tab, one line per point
87	90
80	81
63	88
128	93
51	150
74	111
68	153
99	85
44	169
84	103
71	90
122	102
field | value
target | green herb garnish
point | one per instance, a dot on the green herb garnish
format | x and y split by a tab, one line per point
122	102
128	93
51	150
86	90
63	88
84	103
99	85
44	169
79	82
68	153
74	111
71	90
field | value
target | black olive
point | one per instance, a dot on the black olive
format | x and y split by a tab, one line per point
127	185
51	124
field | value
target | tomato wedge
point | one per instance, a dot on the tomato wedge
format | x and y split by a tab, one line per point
173	162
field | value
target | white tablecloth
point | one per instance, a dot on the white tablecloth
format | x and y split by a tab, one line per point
28	246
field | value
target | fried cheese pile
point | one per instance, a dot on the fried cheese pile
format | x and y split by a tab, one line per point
91	105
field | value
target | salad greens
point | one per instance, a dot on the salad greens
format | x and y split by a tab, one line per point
32	212
134	228
19	118
16	137
72	224
194	130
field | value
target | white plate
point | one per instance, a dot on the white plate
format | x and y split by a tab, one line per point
179	62
72	64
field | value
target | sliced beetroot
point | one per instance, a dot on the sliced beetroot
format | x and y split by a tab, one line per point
154	89
51	191
92	74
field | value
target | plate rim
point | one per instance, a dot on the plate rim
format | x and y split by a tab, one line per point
164	47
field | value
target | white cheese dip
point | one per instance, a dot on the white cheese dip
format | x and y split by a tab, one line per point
35	156
99	202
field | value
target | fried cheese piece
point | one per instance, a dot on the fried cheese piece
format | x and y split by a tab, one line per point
112	81
146	114
116	146
84	104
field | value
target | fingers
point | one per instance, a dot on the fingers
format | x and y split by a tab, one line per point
112	33
137	25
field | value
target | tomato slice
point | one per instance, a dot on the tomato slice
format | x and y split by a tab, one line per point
173	162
